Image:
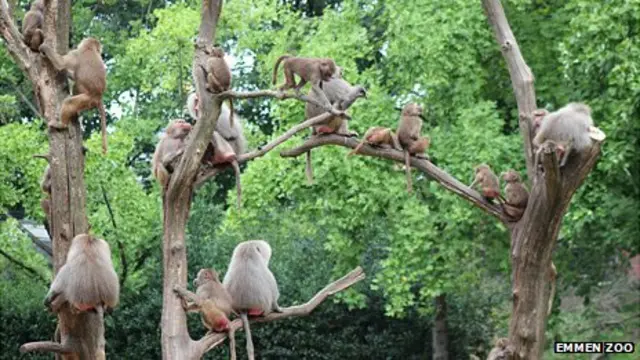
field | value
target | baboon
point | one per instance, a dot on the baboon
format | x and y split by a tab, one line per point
218	76
409	136
340	95
87	281
516	194
251	284
32	25
488	181
170	146
313	70
570	127
233	134
378	136
86	68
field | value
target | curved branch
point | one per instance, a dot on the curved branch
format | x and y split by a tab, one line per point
282	95
434	172
204	176
24	266
521	75
13	39
210	341
45	346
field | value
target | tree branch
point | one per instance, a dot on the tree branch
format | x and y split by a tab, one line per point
205	175
46	247
212	340
24	266
13	39
282	95
45	346
521	75
437	174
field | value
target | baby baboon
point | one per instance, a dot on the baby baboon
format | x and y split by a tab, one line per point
570	127
216	301
213	318
251	284
208	286
219	76
87	281
378	136
488	181
89	73
313	70
409	130
32	25
516	194
170	146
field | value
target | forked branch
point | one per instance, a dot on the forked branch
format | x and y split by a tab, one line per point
210	341
434	172
521	75
265	149
13	39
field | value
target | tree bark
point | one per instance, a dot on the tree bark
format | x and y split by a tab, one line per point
533	236
81	336
440	333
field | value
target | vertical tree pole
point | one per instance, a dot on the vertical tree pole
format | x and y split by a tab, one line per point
176	202
80	336
534	235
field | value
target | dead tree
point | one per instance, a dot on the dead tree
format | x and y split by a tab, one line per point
187	174
533	235
79	336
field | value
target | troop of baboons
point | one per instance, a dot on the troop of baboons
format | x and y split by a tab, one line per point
88	281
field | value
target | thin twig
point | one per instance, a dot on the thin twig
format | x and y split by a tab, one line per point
24	266
123	256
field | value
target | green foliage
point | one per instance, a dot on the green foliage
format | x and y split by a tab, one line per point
438	53
120	209
599	60
19	171
19	247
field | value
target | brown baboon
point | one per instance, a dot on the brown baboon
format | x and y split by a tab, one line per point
86	68
488	181
170	146
313	70
32	25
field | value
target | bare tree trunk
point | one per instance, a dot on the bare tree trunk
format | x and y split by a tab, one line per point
81	336
175	336
534	235
440	333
